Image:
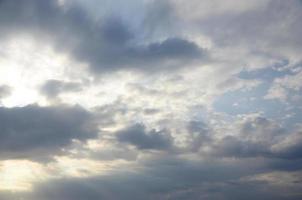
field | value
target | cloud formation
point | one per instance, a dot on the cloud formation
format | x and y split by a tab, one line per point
52	88
34	132
142	139
150	99
106	45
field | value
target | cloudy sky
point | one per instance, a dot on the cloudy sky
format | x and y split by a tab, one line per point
150	99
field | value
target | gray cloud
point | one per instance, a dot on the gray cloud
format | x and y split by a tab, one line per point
272	31
34	132
200	134
292	150
260	137
106	45
52	88
235	147
138	136
172	178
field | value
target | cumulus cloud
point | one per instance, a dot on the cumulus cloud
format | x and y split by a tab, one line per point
34	132
52	88
138	136
259	137
107	45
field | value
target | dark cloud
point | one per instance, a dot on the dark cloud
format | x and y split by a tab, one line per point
114	152
138	136
34	132
115	32
106	45
282	164
172	48
260	137
235	147
293	150
200	134
172	178
52	88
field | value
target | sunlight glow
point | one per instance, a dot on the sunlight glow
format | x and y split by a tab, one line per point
19	175
25	64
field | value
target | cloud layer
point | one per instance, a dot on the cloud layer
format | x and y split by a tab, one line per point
151	99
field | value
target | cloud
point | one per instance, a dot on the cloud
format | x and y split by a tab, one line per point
138	136
157	134
5	91
52	88
168	177
106	46
282	87
260	137
34	132
290	147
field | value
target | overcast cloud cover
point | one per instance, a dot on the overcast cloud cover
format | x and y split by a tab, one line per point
150	99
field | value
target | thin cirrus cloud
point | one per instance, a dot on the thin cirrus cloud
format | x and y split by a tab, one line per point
150	99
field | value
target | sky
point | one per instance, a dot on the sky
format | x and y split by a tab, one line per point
150	99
